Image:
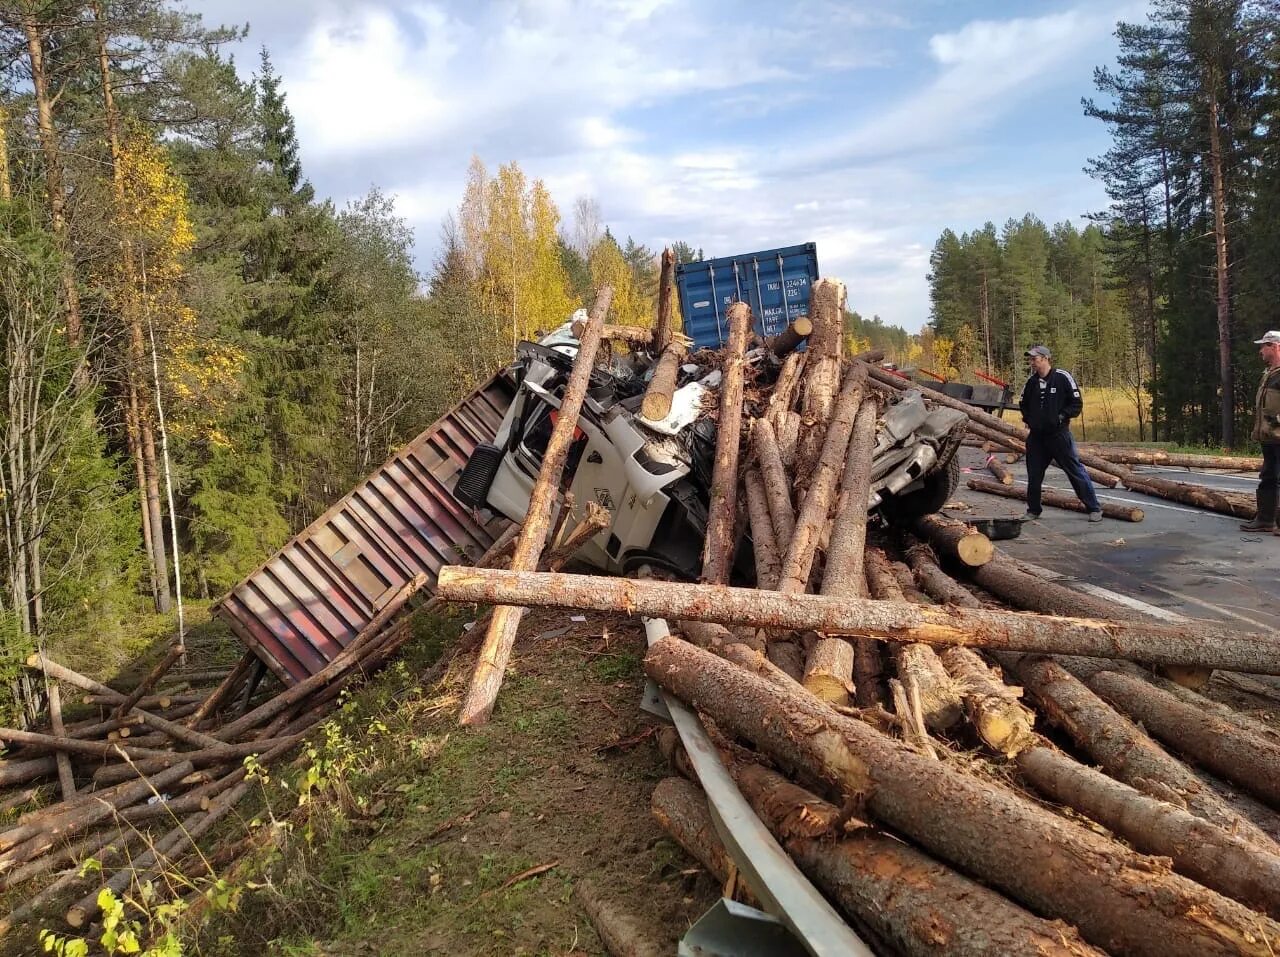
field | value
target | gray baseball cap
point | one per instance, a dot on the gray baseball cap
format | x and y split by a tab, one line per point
1043	352
1272	336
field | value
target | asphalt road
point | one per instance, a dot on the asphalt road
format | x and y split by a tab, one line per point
1180	559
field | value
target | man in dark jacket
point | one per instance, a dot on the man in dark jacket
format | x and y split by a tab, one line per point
1266	429
1050	400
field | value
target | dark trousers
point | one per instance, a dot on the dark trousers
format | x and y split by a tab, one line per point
1269	482
1060	449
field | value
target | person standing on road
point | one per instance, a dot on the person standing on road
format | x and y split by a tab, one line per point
1050	400
1266	429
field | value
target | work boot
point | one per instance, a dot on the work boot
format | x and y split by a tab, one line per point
1095	516
1266	517
1031	516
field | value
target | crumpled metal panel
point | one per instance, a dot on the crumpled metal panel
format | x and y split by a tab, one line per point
306	603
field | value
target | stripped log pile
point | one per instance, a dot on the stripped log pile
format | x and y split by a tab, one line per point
956	776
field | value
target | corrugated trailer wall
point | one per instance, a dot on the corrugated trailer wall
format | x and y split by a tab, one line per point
310	599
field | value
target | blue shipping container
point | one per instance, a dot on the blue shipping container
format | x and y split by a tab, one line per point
774	282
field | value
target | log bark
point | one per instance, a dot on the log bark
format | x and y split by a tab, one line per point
782	398
1203	644
495	652
176	650
220	693
632	335
792	337
803	546
1245	759
844	571
95	749
1123	750
1002	474
826	313
622	933
722	510
20	772
789	656
910	903
156	762
870	686
1200	850
1003	578
1117	510
1236	504
828	671
777	484
1120	900
821	383
918	665
658	395
789	438
66	777
1228	463
680	807
662	331
955	539
763	540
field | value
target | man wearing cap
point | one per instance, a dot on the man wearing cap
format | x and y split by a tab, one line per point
1266	429
1050	400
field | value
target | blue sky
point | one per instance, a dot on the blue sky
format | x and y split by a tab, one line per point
733	126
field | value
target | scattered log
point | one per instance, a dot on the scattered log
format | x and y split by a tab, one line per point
1123	750
632	335
826	313
20	772
491	663
680	807
776	482
95	749
918	665
909	902
1245	759
1236	504
1002	474
66	777
789	438
156	761
1229	463
718	547
789	656
763	540
220	693
782	398
1119	899
1117	510
622	933
870	687
821	383
1200	850
176	650
672	749
955	539
803	546
843	574
792	337
1203	644
662	331
1012	584
658	395
596	520
828	670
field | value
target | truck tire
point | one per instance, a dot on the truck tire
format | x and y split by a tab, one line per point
938	489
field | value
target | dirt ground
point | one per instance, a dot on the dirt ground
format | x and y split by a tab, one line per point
471	841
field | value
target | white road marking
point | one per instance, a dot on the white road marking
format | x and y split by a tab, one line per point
1135	603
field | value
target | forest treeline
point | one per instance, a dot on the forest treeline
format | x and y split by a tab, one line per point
1164	292
199	354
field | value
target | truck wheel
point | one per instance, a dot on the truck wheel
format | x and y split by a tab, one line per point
938	489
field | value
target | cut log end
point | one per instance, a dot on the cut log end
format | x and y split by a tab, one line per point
974	549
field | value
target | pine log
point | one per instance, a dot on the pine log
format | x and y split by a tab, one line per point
1008	581
491	664
658	394
909	901
918	664
870	686
789	656
777	484
828	670
1245	759
672	749
1245	722
66	777
20	772
680	807
1229	463
176	650
826	312
1204	644
844	574
596	520
159	702
1200	850
797	563
622	933
96	749
220	693
1236	504
792	337
722	510
821	383
1117	510
632	335
955	539
782	398
1002	474
1120	900
662	331
204	758
763	541
789	438
1123	750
